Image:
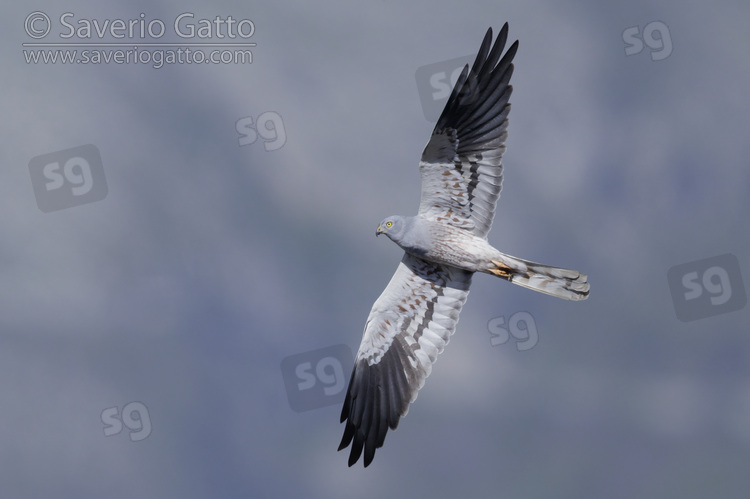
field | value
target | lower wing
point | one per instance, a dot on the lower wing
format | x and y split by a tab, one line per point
409	325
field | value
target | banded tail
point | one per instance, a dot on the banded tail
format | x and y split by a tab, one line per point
562	283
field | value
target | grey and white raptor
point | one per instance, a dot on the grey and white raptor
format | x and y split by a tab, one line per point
444	244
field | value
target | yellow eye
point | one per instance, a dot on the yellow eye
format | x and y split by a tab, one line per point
388	224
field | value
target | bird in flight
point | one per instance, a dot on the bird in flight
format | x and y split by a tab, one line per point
444	245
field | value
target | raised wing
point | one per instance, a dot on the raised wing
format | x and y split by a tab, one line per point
461	166
407	328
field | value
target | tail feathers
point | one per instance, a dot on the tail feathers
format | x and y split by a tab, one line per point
563	283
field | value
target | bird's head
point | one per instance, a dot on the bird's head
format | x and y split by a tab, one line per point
393	227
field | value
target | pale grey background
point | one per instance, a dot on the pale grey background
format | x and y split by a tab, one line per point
208	263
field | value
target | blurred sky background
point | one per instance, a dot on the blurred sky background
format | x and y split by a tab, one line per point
209	262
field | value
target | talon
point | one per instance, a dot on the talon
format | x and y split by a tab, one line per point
500	270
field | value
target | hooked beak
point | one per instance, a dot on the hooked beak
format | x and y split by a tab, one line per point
379	231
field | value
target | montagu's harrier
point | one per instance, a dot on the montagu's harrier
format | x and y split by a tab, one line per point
444	244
